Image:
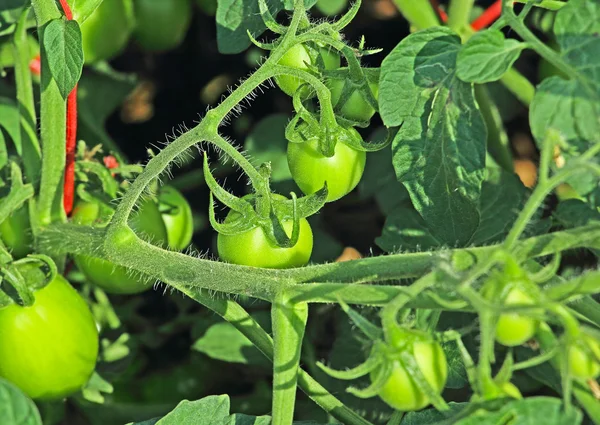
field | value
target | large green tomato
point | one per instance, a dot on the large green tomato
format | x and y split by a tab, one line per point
356	107
15	232
177	216
108	276
515	329
253	248
106	31
401	391
299	57
49	350
161	25
310	169
584	358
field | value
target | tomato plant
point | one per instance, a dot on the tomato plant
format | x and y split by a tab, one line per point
161	26
56	340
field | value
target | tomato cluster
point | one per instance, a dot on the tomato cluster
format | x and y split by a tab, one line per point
49	349
165	222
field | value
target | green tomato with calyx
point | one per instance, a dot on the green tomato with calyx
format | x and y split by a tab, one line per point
253	247
310	169
49	349
401	391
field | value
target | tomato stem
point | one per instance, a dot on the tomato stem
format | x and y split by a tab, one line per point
488	16
71	136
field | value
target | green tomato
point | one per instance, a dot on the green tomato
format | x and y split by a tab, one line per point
253	248
49	349
15	232
105	32
310	169
161	25
177	216
106	275
515	329
584	358
299	57
356	107
401	391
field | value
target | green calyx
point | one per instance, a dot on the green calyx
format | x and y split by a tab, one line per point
262	209
20	279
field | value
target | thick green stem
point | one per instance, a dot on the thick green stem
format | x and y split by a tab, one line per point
53	126
459	14
518	85
31	147
182	271
238	317
289	323
419	13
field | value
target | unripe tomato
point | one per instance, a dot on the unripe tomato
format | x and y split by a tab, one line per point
15	232
161	25
299	57
401	391
177	216
253	248
356	107
106	275
584	358
49	349
515	329
105	32
310	169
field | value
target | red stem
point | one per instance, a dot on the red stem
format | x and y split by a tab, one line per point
71	137
69	184
488	16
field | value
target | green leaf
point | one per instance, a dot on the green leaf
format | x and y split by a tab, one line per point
9	121
239	419
3	151
576	30
573	212
457	373
207	411
567	107
405	230
62	45
235	18
379	178
222	341
82	9
15	407
527	412
502	197
10	11
487	56
439	152
432	416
